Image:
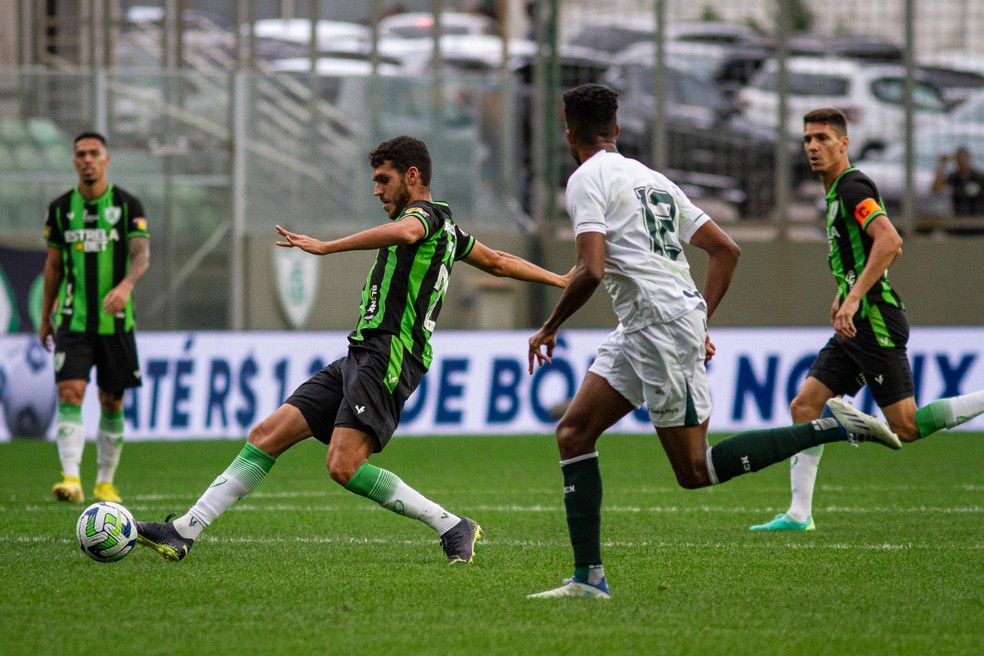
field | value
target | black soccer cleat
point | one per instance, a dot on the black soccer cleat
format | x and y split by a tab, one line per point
459	542
164	539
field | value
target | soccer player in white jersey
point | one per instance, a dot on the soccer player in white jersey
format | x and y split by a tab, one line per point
630	223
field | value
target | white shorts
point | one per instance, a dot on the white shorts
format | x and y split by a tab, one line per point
662	365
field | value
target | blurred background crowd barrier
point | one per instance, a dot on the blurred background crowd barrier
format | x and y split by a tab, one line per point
229	116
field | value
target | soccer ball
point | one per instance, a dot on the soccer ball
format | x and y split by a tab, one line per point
106	532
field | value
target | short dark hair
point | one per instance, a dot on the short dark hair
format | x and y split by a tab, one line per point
90	135
590	111
404	152
828	116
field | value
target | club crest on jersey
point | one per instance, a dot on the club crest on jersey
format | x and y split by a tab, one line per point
113	214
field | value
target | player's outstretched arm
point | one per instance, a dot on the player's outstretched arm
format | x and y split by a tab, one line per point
405	231
507	265
589	269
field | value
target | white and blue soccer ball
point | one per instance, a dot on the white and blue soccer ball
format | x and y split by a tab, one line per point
30	396
106	531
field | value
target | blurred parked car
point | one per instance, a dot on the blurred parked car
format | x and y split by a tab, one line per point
420	25
616	38
955	85
710	146
888	172
729	66
331	36
870	95
848	46
970	110
609	38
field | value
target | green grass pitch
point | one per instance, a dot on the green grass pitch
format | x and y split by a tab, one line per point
301	566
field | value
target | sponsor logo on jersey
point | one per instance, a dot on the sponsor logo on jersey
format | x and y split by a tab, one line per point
416	210
140	225
359	409
91	240
373	302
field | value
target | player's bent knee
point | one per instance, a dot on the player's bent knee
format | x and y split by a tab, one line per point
341	470
572	441
692	480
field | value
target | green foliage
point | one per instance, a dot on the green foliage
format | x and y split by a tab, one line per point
710	14
801	18
301	566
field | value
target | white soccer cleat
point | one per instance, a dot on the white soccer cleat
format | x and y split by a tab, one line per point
572	588
858	426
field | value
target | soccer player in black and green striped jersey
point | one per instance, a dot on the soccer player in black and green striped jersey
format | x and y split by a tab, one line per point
870	326
353	405
98	248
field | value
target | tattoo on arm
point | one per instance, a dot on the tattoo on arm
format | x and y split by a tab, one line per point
139	259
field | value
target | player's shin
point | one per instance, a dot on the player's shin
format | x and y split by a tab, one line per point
582	501
109	445
71	438
754	450
947	413
390	492
239	479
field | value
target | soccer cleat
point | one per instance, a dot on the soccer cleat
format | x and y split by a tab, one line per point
459	541
164	539
106	491
785	522
70	489
859	427
574	588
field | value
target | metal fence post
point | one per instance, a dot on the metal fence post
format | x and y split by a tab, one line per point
240	79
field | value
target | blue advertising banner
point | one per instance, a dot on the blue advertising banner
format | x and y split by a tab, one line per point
212	384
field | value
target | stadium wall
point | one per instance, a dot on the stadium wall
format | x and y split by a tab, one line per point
218	384
777	284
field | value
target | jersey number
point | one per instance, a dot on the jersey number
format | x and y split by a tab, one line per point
443	277
659	211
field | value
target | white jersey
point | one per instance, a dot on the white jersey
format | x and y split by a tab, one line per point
644	218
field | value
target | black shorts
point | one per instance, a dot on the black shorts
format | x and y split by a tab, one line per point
114	356
352	393
876	356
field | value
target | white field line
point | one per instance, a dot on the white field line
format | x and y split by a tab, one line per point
622	544
144	504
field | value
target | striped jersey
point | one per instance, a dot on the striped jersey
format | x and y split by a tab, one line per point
405	289
853	203
92	236
645	218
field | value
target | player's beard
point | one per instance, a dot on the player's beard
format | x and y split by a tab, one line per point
400	199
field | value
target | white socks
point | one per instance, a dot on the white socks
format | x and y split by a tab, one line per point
109	446
802	478
71	438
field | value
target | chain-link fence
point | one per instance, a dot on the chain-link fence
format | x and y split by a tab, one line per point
224	131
